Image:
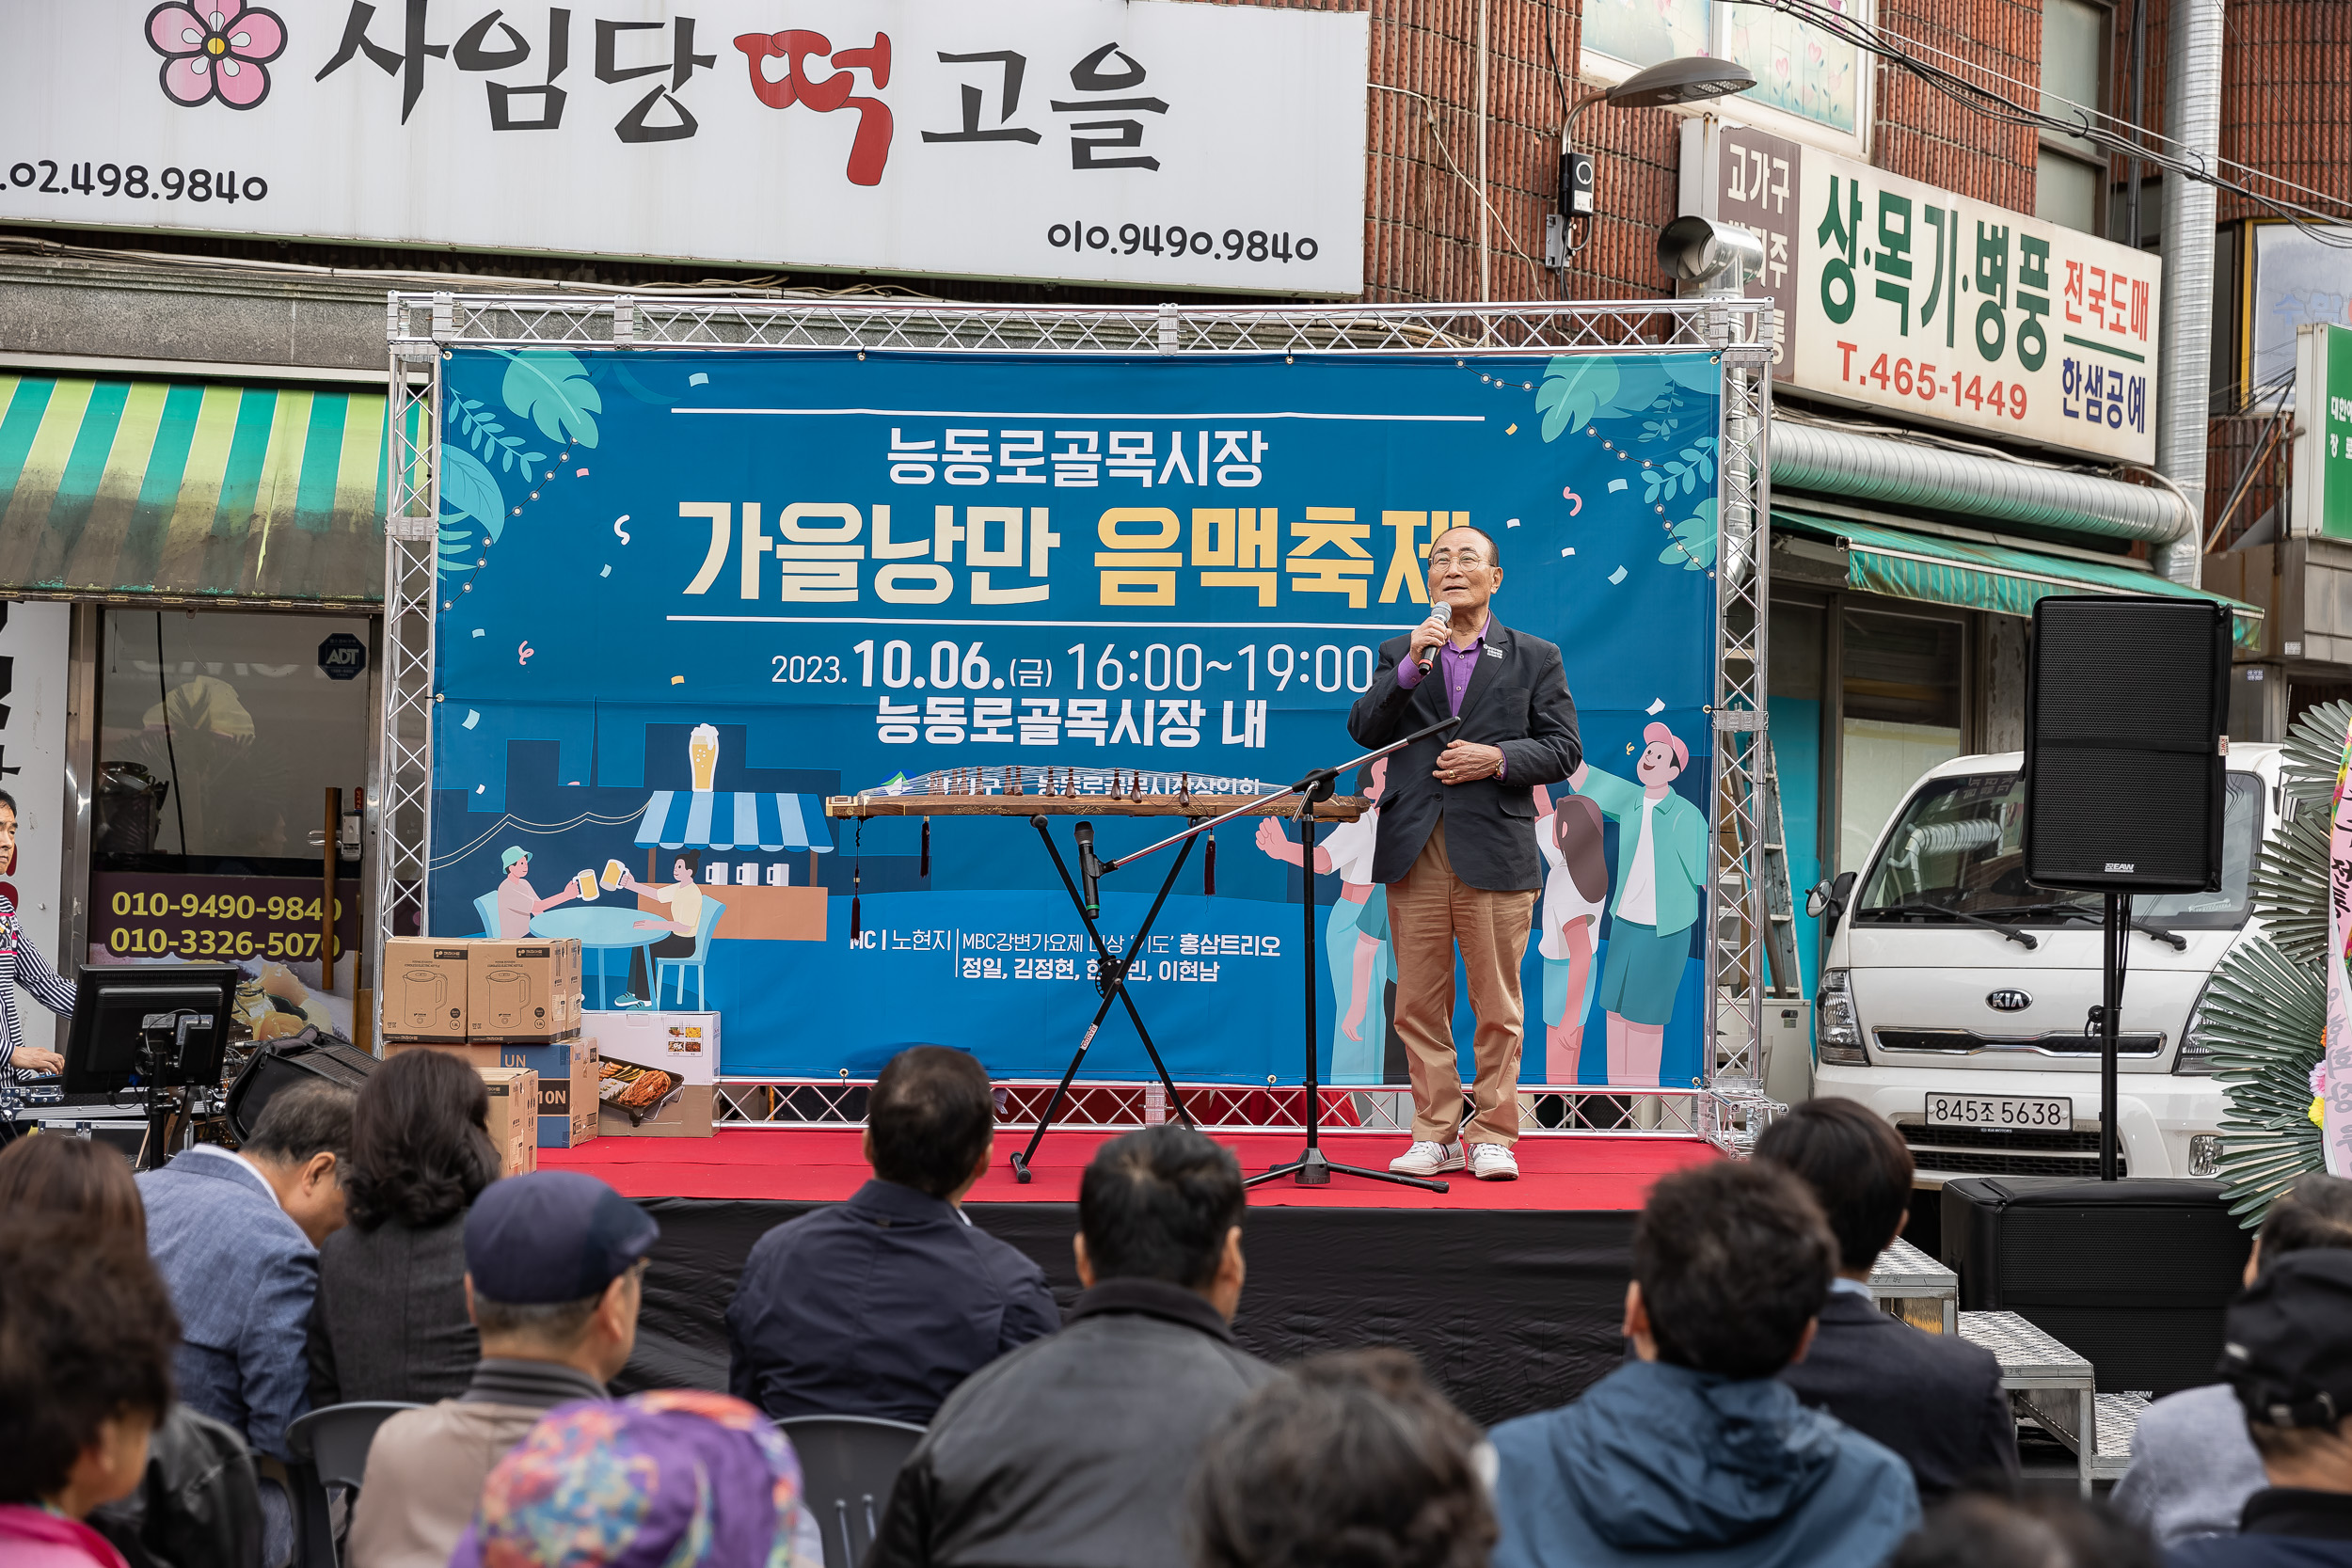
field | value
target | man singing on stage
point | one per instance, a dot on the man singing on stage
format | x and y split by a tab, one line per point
1456	843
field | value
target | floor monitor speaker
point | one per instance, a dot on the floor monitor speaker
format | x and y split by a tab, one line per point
2124	705
279	1065
2133	1274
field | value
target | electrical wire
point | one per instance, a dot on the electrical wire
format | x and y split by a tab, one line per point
1428	114
179	796
2085	123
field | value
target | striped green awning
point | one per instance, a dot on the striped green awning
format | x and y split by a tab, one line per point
192	489
1936	570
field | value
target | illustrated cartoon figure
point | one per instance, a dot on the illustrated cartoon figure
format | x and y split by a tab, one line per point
518	902
1356	937
1576	890
1662	865
685	899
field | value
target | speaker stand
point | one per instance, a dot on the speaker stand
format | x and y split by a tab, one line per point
2119	932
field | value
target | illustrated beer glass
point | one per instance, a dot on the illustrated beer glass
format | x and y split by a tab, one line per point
701	751
614	872
587	881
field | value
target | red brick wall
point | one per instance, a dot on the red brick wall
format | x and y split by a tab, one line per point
2286	96
1923	133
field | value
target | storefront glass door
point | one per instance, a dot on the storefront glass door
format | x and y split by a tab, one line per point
1904	710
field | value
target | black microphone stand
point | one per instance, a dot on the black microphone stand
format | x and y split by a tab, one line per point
1312	1168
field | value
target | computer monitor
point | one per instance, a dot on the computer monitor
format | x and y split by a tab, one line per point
183	1011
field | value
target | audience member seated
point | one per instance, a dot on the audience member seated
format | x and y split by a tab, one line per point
1978	1531
554	1263
2287	1351
1936	1400
197	1505
1073	1451
2193	1465
665	1480
883	1304
86	1343
1696	1451
1353	1460
235	1237
389	1322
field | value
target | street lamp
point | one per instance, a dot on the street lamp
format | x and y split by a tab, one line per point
1688	80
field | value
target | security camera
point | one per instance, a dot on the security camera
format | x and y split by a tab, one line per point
1692	249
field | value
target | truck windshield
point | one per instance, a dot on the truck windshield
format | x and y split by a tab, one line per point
1959	847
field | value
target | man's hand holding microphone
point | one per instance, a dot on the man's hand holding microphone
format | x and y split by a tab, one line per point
1462	761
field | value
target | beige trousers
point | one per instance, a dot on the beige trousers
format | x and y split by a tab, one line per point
1431	912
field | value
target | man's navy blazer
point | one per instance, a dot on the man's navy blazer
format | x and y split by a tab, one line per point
1518	700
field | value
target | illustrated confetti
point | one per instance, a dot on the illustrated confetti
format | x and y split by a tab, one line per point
1616	485
617	522
698	379
1576	502
522	655
472	717
1511	522
1510	430
479	632
677	680
1657	707
1569	551
1618	575
606	573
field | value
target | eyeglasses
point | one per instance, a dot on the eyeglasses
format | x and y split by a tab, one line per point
1470	560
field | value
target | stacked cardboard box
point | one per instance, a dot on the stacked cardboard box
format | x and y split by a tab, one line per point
498	1004
514	1117
680	1048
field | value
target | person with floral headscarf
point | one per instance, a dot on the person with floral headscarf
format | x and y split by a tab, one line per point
665	1480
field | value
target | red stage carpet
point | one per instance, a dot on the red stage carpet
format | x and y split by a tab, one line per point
824	1166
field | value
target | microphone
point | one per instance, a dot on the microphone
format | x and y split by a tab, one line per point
1089	871
1442	618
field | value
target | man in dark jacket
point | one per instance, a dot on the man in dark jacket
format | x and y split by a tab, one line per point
2287	1349
1075	1452
883	1304
1937	1401
1457	845
1696	1453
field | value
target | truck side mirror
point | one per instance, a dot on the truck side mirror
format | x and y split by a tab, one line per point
1828	898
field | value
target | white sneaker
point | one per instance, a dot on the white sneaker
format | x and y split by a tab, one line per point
1428	1159
1493	1163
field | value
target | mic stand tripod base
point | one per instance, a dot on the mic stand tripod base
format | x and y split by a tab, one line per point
1310	1169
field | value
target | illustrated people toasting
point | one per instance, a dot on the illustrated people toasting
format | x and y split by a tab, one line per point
518	902
1662	865
685	900
1455	846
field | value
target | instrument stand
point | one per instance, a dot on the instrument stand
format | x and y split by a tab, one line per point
162	1052
1114	972
1312	1168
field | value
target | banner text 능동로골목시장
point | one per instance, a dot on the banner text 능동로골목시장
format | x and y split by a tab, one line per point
686	595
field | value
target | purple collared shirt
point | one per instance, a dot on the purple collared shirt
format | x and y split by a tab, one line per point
1456	664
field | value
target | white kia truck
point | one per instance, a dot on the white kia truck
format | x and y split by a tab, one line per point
1954	997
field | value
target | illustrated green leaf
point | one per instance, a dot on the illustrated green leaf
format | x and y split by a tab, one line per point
550	387
1574	388
471	490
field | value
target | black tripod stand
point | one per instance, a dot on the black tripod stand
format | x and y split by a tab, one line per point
1312	1168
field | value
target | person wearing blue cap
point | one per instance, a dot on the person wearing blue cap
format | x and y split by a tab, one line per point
518	902
554	1266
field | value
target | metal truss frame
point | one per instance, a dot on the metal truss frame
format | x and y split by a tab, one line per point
1725	1104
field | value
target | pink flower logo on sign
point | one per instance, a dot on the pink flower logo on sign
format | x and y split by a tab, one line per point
216	49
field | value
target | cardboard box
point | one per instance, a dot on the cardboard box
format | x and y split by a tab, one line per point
514	1117
568	1076
686	1044
684	1114
513	990
424	988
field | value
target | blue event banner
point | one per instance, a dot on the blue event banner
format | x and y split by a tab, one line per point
687	596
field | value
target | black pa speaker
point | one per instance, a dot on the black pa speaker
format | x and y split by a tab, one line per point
2133	1274
2125	703
279	1065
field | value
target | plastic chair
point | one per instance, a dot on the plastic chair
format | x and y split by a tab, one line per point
331	1450
848	1463
487	907
712	909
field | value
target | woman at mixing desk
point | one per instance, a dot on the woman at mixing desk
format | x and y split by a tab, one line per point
22	964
